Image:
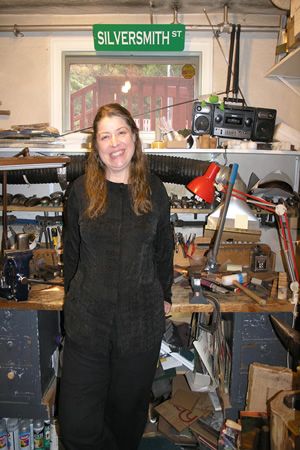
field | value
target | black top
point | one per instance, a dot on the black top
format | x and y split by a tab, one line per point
118	270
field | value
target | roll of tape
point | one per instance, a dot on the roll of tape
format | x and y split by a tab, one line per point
158	144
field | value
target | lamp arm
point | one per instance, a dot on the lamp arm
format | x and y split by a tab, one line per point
212	254
280	212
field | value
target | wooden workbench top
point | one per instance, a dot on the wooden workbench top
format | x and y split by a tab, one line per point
228	302
44	297
41	297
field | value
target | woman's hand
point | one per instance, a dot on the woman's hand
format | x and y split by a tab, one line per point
167	307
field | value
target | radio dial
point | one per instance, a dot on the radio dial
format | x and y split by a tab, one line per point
218	118
248	121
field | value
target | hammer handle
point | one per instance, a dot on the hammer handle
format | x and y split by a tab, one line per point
250	294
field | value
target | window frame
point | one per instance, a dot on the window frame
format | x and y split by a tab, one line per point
197	44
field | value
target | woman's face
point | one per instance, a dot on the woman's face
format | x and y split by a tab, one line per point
116	146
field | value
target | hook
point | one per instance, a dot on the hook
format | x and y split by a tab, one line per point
225	26
151	11
175	15
17	32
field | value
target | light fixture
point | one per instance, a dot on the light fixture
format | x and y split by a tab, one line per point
203	186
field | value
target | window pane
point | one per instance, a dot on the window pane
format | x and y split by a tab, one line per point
147	89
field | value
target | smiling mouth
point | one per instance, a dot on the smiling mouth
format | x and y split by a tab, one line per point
117	153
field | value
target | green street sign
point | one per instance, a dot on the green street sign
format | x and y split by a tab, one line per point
139	38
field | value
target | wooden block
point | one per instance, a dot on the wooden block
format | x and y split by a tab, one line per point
282	286
265	381
273	293
176	144
285	421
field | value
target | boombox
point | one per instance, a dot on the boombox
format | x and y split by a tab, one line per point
234	122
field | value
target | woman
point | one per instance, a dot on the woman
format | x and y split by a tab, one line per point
118	251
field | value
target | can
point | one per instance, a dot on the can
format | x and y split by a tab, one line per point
38	434
12	426
3	435
24	434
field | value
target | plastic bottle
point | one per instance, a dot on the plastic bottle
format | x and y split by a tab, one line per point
38	434
227	280
24	434
3	435
12	426
47	434
53	435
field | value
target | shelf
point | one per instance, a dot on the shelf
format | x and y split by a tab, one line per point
33	208
214	151
288	71
190	211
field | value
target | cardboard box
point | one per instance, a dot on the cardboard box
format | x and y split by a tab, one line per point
185	406
297	26
292	29
265	381
295	5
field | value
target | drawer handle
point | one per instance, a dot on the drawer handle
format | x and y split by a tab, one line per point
11	374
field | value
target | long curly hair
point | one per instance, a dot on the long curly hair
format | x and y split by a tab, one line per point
95	180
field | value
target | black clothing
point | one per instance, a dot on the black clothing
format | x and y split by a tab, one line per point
104	398
118	270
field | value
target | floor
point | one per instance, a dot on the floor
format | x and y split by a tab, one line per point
157	443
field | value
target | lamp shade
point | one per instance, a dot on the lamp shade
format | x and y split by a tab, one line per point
203	186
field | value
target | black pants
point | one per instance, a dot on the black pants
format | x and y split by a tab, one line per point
104	399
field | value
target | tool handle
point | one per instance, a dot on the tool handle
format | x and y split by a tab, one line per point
250	294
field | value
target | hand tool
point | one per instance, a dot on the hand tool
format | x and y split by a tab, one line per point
250	294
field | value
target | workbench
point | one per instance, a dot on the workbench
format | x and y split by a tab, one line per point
51	298
30	329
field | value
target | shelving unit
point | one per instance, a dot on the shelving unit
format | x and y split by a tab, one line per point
261	162
288	71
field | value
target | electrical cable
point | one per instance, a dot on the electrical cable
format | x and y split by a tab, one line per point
235	88
222	51
229	71
201	97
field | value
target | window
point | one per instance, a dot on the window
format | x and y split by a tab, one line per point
148	87
198	45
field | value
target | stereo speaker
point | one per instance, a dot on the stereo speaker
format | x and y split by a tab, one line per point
202	118
264	124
